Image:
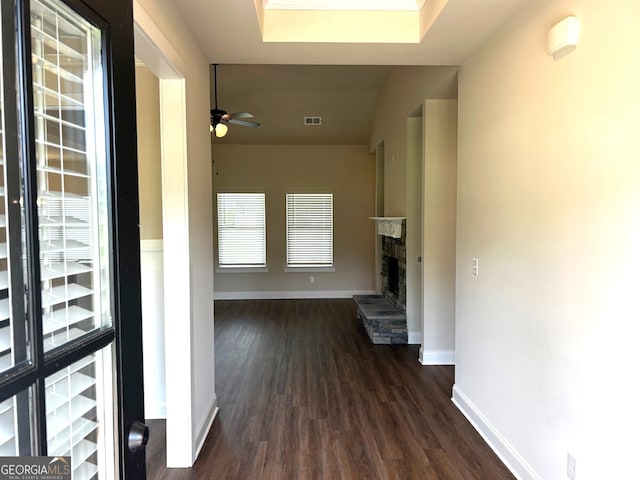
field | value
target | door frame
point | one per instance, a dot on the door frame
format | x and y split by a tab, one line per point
154	50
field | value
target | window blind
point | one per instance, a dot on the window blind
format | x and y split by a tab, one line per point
241	230
309	229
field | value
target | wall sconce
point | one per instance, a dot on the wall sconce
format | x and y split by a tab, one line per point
563	37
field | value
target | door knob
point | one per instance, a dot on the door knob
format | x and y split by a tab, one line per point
138	436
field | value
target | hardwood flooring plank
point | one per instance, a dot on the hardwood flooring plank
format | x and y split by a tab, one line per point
303	394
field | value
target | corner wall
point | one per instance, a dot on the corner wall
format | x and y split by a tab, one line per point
439	189
403	94
549	201
402	126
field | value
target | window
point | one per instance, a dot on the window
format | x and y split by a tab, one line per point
241	230
309	230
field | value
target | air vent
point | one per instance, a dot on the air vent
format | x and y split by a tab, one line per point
313	120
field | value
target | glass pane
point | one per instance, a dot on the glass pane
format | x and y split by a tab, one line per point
15	425
13	331
79	403
71	163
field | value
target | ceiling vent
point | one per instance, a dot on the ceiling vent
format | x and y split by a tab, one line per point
313	120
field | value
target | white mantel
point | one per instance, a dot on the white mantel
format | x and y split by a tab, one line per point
389	226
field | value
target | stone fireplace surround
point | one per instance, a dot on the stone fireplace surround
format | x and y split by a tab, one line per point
395	248
384	316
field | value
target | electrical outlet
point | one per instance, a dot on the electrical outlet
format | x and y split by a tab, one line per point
312	279
571	467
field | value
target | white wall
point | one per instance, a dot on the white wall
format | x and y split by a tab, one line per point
153	328
403	95
166	46
413	235
549	201
348	171
149	153
439	231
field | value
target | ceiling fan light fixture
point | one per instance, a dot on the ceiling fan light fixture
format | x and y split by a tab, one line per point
221	130
220	118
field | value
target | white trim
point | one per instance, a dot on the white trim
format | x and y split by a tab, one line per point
300	294
309	269
437	357
154	245
414	338
153	48
177	274
242	269
205	425
502	448
384	5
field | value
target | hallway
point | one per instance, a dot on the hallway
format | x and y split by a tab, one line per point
304	394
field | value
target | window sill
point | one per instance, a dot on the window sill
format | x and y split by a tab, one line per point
242	269
310	269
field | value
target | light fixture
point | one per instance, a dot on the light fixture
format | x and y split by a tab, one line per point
221	130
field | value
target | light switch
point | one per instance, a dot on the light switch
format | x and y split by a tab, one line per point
474	265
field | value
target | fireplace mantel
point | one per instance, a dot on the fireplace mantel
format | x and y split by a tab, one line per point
389	226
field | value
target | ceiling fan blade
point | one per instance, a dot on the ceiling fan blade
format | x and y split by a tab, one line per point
240	115
244	123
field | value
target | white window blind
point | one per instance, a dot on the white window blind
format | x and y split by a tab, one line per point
241	230
309	229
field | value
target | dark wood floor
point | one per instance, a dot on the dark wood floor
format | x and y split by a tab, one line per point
304	394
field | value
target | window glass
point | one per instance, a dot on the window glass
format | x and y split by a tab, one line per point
71	165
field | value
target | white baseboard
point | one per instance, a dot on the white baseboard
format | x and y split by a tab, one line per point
415	338
502	448
299	294
437	357
205	425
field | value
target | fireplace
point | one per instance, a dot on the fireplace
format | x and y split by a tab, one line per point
392	275
394	269
384	314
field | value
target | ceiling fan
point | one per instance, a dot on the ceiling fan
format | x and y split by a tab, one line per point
220	118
